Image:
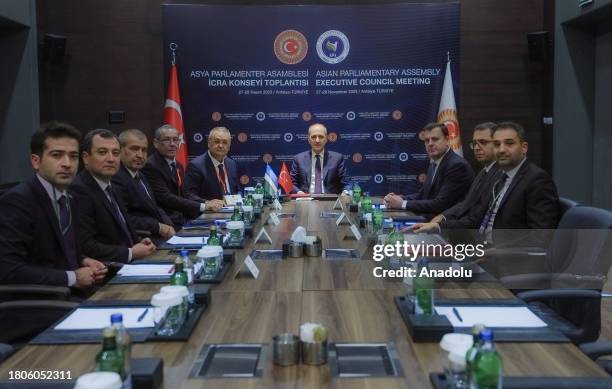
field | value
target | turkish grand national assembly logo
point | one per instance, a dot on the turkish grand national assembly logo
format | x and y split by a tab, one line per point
290	47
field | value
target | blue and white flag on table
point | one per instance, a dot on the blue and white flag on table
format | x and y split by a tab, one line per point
270	182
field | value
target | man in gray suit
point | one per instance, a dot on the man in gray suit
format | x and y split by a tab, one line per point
318	171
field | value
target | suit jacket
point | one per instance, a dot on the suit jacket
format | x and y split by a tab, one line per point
31	244
142	210
100	233
201	182
530	202
483	183
335	179
168	194
451	182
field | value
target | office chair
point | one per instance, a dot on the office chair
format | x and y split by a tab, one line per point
565	204
578	260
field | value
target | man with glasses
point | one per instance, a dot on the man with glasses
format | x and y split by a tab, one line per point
484	153
523	196
213	174
448	177
166	177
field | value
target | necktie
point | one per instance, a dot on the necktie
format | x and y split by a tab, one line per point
119	215
431	172
489	217
67	232
138	178
177	174
318	187
222	178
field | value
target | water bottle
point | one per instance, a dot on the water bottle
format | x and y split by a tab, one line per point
179	277
237	216
378	217
395	237
486	372
189	270
356	193
470	355
124	347
108	359
423	290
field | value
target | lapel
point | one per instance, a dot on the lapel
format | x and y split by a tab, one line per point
50	212
165	168
325	166
101	196
517	178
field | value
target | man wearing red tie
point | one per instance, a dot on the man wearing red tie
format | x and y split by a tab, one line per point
319	171
166	177
213	174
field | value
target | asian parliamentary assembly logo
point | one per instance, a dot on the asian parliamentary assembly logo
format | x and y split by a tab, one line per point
333	46
290	47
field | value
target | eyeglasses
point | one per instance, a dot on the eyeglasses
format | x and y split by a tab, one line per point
168	141
479	142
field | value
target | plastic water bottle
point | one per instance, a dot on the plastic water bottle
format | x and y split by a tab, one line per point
189	270
124	347
486	372
423	290
396	236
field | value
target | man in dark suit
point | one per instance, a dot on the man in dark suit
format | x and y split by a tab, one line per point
38	223
449	177
166	175
523	197
134	191
105	230
213	174
484	153
318	170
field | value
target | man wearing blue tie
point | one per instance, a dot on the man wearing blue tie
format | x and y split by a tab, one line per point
213	174
318	171
449	177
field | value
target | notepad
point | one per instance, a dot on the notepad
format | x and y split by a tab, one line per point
98	318
145	270
182	240
513	317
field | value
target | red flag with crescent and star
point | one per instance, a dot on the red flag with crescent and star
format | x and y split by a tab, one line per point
284	179
173	115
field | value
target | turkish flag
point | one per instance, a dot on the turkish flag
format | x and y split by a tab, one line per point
173	115
284	179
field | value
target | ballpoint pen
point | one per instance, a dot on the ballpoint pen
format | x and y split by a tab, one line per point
142	315
456	312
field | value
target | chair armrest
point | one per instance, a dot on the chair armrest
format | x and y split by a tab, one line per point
539	295
23	291
596	350
5	351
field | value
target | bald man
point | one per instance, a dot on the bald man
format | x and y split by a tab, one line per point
318	171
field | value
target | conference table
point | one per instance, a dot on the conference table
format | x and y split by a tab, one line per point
344	296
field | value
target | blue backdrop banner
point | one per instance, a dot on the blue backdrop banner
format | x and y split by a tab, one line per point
372	74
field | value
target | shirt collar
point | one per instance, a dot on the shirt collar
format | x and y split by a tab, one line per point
170	161
132	173
103	185
50	189
512	172
437	161
315	154
214	161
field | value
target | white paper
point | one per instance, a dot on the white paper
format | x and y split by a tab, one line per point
516	317
355	232
274	218
227	209
277	205
98	318
251	266
232	200
263	233
338	204
180	240
304	199
145	270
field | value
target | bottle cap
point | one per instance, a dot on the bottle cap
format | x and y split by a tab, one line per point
486	335
116	318
184	253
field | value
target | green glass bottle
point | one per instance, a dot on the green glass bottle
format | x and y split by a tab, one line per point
394	238
487	367
109	358
237	216
213	238
259	188
356	193
470	355
366	203
249	200
378	217
423	288
179	277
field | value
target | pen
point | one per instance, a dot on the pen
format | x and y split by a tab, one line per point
142	315
456	312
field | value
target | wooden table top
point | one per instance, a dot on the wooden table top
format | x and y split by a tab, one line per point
342	295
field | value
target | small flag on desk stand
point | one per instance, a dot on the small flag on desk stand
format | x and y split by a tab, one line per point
172	109
447	113
284	179
270	182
